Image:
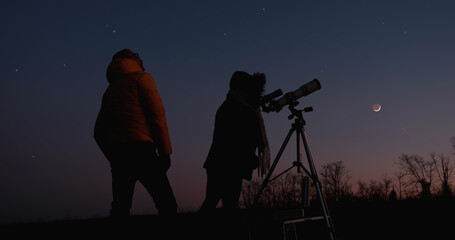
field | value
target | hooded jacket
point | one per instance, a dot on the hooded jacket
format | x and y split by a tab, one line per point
131	108
235	139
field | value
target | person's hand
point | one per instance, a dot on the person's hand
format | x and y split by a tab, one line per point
165	161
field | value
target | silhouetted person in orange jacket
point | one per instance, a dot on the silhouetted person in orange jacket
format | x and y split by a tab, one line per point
131	130
239	142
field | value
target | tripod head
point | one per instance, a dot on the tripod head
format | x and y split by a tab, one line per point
298	113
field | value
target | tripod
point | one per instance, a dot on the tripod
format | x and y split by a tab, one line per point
298	126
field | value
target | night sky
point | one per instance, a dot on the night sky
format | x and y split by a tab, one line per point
54	54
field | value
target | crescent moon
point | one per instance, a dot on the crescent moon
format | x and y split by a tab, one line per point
376	107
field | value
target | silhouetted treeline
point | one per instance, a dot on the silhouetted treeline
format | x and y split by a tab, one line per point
416	178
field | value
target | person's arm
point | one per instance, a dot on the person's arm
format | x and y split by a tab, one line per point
155	113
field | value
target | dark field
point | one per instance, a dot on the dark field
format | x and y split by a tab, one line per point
407	219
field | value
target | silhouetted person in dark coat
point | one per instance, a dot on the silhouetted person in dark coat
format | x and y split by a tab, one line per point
131	130
239	142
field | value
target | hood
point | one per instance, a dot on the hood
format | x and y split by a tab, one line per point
121	66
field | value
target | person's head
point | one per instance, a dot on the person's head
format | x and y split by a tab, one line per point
126	53
250	86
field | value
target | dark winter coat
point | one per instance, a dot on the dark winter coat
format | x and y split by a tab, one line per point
235	140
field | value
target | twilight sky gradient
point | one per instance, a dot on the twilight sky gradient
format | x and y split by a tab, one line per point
399	54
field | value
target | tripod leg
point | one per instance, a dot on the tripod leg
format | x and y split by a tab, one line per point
325	210
299	154
275	162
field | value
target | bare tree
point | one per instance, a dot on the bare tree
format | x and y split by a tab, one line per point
282	191
400	175
419	171
362	190
387	184
444	169
249	191
335	181
374	190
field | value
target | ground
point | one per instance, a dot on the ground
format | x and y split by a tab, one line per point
407	219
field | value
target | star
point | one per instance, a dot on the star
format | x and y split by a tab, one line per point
17	70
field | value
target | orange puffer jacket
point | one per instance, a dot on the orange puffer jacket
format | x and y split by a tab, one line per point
131	108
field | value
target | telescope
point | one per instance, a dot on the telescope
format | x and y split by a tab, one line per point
269	104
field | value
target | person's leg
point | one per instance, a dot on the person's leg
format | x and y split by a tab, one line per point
232	219
232	188
158	186
154	178
162	194
212	192
123	181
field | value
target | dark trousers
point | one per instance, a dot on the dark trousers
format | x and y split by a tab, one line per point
222	185
132	162
225	223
